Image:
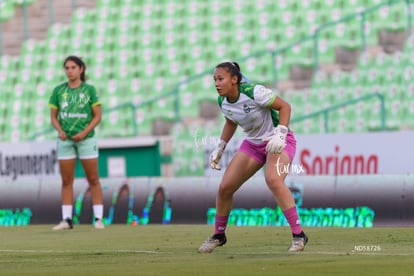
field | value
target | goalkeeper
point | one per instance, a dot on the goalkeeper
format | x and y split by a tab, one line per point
264	117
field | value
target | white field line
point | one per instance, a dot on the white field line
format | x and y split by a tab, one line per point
46	251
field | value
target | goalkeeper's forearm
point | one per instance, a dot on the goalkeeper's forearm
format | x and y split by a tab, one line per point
228	131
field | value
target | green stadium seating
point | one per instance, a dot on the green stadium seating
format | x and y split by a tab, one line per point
137	51
6	10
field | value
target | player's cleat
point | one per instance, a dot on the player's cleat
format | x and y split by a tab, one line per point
298	243
99	224
65	224
212	242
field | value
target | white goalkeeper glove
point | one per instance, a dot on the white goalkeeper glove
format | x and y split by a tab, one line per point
277	141
215	156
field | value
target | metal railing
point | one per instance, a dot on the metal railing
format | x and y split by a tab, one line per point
25	18
325	112
315	38
274	53
363	14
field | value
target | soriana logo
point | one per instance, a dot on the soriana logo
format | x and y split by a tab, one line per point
337	162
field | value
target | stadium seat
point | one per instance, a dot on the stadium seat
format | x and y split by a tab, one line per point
136	52
144	120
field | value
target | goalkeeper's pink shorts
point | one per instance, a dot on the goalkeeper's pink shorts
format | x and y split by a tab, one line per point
258	151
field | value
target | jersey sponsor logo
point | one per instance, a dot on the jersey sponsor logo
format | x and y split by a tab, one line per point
65	115
254	128
65	95
79	99
77	115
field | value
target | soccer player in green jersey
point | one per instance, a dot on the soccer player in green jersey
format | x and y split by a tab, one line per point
264	117
75	112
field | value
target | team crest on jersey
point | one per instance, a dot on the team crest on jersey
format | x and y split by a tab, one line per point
246	108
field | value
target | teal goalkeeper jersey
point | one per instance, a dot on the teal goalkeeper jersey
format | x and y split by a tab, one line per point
74	107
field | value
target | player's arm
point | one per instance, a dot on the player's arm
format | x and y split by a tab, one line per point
266	97
96	118
277	141
284	110
228	131
55	122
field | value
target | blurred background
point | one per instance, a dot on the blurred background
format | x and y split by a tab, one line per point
345	66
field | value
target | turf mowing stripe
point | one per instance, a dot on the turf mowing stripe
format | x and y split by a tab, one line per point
77	251
318	253
221	253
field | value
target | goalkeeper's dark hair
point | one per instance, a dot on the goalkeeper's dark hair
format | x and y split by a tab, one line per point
79	62
233	68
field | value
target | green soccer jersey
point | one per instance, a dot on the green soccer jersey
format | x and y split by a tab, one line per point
74	107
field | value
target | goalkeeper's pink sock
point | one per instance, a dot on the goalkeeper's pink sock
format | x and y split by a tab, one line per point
220	224
292	217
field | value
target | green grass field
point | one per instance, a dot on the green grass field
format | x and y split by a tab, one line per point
172	250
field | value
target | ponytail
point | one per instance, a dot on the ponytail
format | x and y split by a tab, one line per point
233	68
